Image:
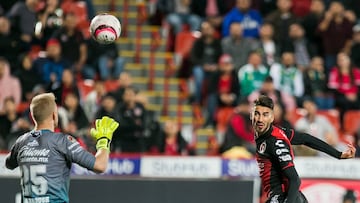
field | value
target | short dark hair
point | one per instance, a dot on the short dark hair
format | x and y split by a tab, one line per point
264	100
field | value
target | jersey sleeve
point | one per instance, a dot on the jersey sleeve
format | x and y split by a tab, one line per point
281	151
298	138
75	153
11	159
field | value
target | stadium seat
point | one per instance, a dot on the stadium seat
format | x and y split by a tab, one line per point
22	107
222	118
352	121
111	85
85	87
332	115
184	42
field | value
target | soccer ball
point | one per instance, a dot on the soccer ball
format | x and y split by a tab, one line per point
105	28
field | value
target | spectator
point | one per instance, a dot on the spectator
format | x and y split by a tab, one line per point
355	47
92	101
129	136
317	125
268	88
315	84
310	23
65	87
237	46
10	44
301	7
9	85
224	88
23	19
357	143
204	55
28	77
12	124
250	19
105	58
50	19
287	77
124	81
72	116
336	24
281	19
107	107
280	116
51	66
265	6
73	44
239	131
344	80
299	45
179	13
211	10
252	75
268	48
171	141
7	118
353	6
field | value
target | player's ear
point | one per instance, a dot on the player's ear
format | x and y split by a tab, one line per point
272	117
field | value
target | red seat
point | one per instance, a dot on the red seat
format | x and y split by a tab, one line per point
111	85
352	121
85	87
184	42
222	118
22	107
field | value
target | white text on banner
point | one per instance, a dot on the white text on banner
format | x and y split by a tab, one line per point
181	167
316	167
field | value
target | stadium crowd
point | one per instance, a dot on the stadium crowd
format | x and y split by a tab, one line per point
302	53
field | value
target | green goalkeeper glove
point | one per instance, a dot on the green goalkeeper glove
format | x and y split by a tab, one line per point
103	132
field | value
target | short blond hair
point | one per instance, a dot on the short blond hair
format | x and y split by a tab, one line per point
42	106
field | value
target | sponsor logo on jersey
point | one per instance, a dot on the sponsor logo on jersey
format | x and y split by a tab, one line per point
280	151
275	199
33	143
71	138
37	200
286	157
30	154
279	143
262	148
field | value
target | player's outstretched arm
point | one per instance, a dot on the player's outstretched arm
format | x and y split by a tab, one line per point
349	153
317	144
103	133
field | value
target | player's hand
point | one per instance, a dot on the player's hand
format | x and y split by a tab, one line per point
103	132
349	153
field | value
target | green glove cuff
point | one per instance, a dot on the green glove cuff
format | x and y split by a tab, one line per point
103	143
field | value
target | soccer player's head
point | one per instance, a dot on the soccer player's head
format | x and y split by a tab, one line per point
43	109
262	114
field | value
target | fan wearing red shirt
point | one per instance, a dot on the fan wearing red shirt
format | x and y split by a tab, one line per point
344	80
224	88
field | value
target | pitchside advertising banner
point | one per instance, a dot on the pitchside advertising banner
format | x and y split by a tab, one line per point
210	167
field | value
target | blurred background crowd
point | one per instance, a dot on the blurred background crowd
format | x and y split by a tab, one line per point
304	54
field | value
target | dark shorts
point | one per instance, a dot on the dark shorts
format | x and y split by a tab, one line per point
281	199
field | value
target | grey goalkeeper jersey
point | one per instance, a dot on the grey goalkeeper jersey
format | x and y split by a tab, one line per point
45	158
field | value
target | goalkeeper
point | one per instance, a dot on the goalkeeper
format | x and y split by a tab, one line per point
45	157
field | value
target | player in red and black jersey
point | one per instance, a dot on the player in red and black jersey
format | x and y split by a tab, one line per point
280	181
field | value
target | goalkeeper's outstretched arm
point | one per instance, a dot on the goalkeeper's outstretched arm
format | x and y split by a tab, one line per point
103	132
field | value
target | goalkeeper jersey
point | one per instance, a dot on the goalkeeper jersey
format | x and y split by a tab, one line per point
45	160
